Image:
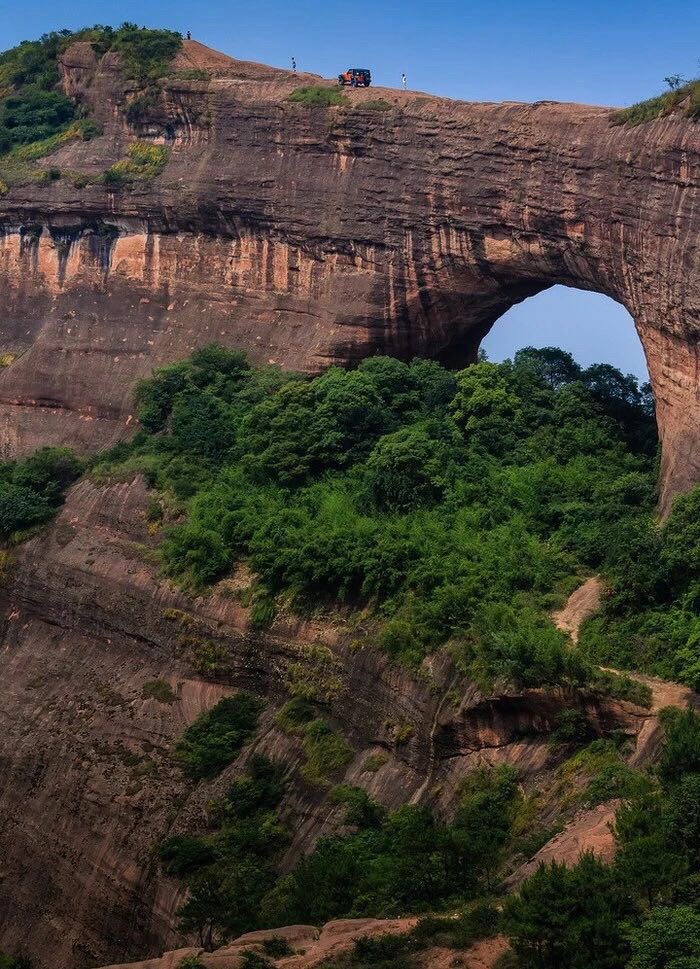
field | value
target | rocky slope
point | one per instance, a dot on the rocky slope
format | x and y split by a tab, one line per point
89	786
398	223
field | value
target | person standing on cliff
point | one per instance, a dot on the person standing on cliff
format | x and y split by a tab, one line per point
294	64
189	35
403	81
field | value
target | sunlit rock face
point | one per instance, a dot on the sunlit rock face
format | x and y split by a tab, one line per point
398	223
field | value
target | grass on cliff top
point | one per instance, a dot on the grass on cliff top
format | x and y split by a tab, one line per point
318	96
686	98
36	118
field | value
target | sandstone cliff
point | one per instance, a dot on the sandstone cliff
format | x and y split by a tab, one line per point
397	223
89	785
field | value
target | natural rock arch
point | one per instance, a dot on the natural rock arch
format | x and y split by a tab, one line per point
309	236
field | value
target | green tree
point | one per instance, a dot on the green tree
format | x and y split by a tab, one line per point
48	472
155	396
554	367
483	823
484	407
668	939
681	750
216	737
407	469
21	508
202	424
568	917
684	817
349	416
646	860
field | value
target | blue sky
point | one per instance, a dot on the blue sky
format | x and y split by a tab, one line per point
612	52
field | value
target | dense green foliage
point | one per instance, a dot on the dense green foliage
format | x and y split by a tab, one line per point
651	620
457	507
568	917
391	862
32	110
402	861
32	489
686	96
641	912
216	736
230	870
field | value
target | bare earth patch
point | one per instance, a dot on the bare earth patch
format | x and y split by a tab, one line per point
581	604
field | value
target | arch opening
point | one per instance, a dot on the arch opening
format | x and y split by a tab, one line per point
591	326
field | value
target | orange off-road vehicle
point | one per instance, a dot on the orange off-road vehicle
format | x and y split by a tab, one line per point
355	77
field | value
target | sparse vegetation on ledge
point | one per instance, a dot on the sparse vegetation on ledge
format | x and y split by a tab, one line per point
318	96
378	104
17	166
685	98
144	161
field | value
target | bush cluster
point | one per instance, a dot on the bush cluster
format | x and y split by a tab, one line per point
216	737
458	507
32	489
32	110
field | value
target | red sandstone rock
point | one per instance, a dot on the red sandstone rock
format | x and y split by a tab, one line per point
308	236
86	622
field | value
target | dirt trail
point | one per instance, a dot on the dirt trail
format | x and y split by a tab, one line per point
482	955
581	604
584	602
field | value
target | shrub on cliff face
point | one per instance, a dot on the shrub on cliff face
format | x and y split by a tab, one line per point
216	737
317	96
144	161
31	490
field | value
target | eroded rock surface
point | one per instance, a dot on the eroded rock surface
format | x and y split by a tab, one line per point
397	223
89	784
